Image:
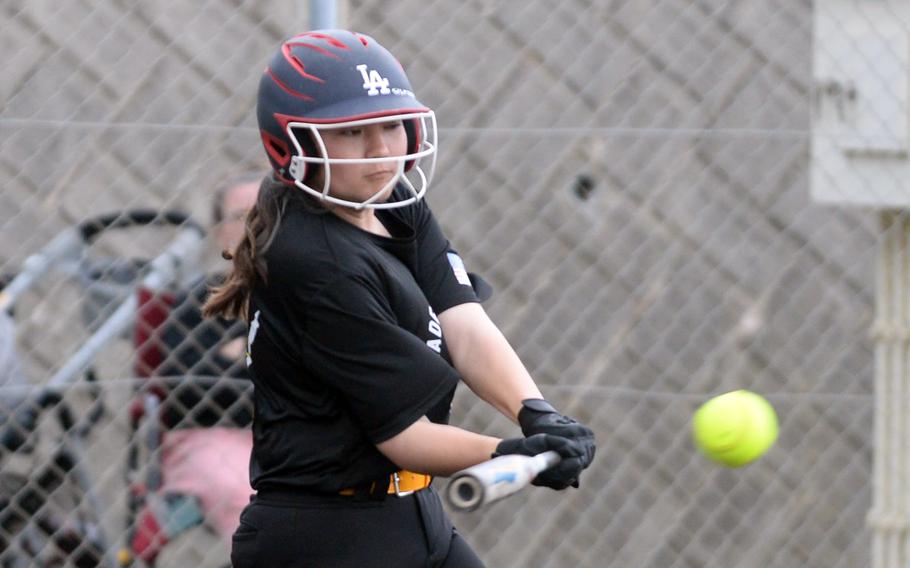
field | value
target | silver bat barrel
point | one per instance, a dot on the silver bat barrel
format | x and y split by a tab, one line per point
492	480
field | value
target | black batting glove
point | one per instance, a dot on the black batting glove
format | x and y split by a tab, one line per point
561	475
538	416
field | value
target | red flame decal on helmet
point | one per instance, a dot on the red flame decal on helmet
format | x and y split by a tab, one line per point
362	39
285	88
327	38
297	64
315	48
276	148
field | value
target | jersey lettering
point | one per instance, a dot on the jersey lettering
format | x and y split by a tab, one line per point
254	327
373	82
435	329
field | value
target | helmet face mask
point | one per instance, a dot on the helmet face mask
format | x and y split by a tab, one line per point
332	79
409	166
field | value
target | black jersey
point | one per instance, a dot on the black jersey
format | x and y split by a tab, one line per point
346	349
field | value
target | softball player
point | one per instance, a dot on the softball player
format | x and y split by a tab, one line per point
362	321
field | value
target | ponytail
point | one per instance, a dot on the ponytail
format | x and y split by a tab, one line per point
231	299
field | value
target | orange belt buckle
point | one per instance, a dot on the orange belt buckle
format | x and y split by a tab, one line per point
401	483
407	482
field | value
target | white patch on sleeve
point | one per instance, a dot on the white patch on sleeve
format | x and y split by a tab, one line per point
254	327
461	274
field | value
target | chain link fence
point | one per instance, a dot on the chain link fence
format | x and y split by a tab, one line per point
630	175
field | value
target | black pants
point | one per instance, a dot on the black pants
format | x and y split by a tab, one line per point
297	531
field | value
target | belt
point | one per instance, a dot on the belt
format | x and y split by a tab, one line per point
401	483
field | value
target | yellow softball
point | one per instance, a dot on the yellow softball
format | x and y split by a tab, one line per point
735	428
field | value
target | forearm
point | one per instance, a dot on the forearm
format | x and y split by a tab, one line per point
485	360
437	449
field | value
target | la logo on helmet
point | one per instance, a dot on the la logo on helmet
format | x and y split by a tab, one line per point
373	82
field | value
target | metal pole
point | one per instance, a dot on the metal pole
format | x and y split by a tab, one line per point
165	269
889	518
323	14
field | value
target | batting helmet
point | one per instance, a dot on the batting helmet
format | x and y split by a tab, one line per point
340	79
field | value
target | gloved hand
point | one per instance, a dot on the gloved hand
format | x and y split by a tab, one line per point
538	416
558	477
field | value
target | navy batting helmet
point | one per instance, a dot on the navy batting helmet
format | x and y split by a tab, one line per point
340	79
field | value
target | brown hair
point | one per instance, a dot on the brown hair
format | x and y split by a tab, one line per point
231	299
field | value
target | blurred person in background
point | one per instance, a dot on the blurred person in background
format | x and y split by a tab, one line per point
206	450
341	275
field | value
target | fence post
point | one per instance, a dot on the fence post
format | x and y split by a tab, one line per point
323	14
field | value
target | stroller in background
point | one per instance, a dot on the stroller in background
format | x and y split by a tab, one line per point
53	513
